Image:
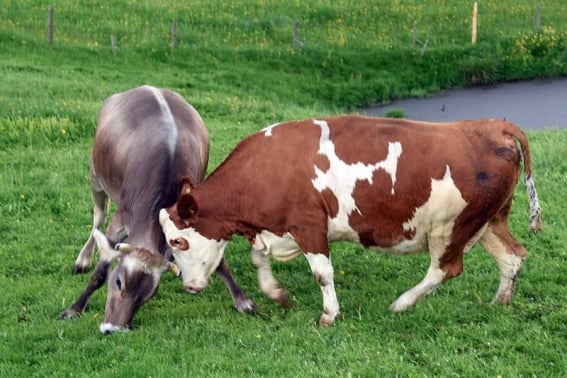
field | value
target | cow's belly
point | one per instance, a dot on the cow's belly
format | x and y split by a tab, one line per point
417	243
282	248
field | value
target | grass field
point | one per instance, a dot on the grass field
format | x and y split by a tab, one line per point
237	64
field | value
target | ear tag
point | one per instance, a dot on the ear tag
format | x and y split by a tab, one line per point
187	191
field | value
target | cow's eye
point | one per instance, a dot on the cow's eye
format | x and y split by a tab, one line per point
180	243
118	283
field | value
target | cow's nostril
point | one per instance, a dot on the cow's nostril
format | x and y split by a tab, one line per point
193	289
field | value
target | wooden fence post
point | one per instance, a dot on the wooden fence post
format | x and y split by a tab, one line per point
50	25
174	34
474	22
538	17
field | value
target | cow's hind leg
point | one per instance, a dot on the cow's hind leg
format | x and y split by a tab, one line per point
322	270
268	284
433	278
446	251
509	255
239	298
101	204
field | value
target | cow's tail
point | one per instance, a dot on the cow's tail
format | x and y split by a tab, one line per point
535	225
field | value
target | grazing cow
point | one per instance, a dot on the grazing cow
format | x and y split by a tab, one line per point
396	185
146	140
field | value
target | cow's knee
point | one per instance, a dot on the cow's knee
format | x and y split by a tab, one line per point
268	284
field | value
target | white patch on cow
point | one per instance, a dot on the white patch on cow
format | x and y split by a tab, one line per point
282	248
108	328
167	118
268	130
133	264
435	217
341	179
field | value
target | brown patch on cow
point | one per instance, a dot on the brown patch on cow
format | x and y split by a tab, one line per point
330	203
501	229
321	162
371	151
393	210
453	267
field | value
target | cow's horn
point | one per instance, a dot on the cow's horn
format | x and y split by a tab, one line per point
173	268
123	247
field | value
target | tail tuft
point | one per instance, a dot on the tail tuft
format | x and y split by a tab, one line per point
536	224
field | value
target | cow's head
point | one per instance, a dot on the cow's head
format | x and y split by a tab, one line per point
131	283
196	255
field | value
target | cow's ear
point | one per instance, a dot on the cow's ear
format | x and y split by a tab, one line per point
186	206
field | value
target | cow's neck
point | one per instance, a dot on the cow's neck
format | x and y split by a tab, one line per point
222	212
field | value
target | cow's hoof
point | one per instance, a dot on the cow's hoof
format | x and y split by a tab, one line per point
325	321
69	314
282	298
246	306
77	269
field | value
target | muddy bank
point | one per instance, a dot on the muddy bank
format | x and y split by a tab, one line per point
538	104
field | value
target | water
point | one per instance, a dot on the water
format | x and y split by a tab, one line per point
537	104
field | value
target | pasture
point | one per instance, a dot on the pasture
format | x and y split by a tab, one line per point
237	64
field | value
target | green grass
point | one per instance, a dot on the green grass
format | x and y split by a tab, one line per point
236	64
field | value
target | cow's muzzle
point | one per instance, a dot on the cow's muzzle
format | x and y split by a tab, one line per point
108	328
193	289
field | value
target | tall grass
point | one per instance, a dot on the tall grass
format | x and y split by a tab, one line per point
237	64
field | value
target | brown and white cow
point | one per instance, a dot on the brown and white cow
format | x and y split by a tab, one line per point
396	185
146	140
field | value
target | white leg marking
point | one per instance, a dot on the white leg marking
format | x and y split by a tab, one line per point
434	276
509	264
268	284
322	270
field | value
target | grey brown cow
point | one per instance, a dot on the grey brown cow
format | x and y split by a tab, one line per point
396	185
146	140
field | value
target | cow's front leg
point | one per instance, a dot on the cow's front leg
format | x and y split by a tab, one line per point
98	278
239	297
322	270
266	280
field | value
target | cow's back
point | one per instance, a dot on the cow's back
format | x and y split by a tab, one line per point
146	140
